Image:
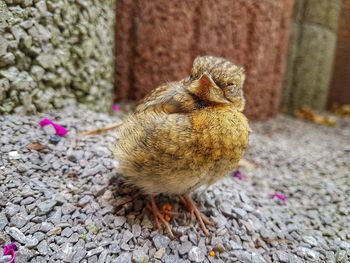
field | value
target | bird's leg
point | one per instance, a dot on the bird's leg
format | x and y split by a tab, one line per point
192	208
158	216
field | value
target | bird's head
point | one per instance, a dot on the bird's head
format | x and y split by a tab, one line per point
225	78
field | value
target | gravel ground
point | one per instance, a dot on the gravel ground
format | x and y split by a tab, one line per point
64	203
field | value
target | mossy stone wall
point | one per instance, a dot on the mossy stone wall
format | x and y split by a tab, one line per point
54	53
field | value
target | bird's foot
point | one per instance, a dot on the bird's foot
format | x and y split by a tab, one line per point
194	212
158	217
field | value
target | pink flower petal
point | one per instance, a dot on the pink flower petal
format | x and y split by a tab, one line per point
60	130
10	250
116	107
279	196
237	174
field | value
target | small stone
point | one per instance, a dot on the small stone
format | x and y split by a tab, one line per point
342	256
49	130
103	257
39	235
344	245
310	240
127	235
185	248
95	251
46	227
22	168
119	221
54	139
136	230
243	256
226	208
159	253
68	208
93	171
7	59
16	234
79	254
282	256
43	248
239	212
56	216
84	201
46	207
3	221
139	256
54	231
31	242
28	200
14	155
161	241
114	247
234	245
123	258
196	255
19	220
256	258
67	232
66	252
308	253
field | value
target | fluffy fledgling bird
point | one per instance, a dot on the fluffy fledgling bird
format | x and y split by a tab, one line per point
186	134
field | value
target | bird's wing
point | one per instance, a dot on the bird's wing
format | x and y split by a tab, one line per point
169	98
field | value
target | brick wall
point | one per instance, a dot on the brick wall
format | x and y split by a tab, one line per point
156	41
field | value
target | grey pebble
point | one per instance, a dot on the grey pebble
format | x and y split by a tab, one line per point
119	221
310	240
256	258
31	242
171	259
39	235
196	255
127	235
66	232
43	248
342	256
68	208
139	256
239	212
46	206
19	220
243	256
16	234
282	256
3	220
160	241
95	251
49	130
136	230
103	257
308	253
73	238
124	257
226	208
56	215
47	227
185	247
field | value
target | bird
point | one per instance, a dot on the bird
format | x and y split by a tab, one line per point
185	134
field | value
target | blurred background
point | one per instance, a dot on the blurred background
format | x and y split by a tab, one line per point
55	53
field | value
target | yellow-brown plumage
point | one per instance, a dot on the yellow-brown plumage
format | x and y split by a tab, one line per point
187	133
